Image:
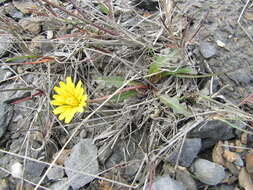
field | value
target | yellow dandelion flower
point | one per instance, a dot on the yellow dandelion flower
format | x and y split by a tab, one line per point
69	99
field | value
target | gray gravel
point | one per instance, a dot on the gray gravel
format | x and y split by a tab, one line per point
207	49
165	183
208	172
5	43
189	151
82	158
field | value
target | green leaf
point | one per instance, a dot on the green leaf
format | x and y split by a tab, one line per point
19	58
184	71
172	102
163	62
123	96
104	9
160	61
113	81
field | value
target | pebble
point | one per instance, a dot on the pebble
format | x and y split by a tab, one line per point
220	43
55	173
104	153
239	162
31	25
6	113
211	132
4	184
165	183
207	49
245	179
10	10
186	179
50	34
217	153
225	187
189	152
249	162
63	156
208	172
149	5
5	43
131	169
40	45
25	6
4	74
242	77
16	170
62	185
83	157
33	168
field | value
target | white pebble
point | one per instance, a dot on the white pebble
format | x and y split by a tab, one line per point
220	43
16	170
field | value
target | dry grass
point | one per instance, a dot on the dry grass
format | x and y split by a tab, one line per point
122	43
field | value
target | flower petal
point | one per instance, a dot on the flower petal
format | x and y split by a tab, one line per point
63	115
61	90
60	109
69	99
69	84
69	116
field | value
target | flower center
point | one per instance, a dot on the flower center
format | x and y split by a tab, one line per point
72	101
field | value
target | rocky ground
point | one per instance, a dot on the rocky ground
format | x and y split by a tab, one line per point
188	128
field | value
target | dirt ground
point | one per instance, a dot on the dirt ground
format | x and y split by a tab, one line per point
168	84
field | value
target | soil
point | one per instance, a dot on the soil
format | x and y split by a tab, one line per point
104	44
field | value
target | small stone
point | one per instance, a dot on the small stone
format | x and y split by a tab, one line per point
208	172
131	169
225	187
207	49
5	43
6	113
232	168
4	184
249	162
149	5
104	153
40	45
217	153
83	157
239	161
211	132
245	180
186	179
22	185
5	162
220	43
31	25
62	185
50	34
229	156
10	10
244	138
55	173
25	6
4	74
189	151
17	170
33	168
64	155
165	183
242	77
240	147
